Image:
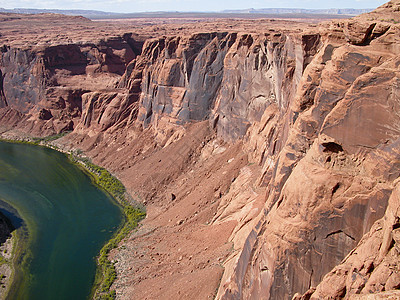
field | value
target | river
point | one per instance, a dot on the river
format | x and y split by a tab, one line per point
67	219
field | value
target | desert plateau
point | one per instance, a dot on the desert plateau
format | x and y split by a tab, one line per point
265	151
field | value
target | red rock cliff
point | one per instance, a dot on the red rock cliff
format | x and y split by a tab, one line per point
299	165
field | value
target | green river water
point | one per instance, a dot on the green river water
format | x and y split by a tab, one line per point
67	219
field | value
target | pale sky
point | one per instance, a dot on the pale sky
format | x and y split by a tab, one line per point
127	6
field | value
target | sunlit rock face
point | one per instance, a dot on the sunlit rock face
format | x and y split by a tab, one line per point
278	144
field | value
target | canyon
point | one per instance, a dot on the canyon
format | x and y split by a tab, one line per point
265	151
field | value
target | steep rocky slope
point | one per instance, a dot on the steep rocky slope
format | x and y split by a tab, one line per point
267	160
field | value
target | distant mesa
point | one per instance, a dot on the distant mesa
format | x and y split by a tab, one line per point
72	12
330	11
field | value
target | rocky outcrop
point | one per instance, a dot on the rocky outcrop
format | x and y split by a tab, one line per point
46	83
23	79
182	76
372	267
228	78
260	71
101	110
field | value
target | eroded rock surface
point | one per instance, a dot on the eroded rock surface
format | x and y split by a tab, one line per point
267	158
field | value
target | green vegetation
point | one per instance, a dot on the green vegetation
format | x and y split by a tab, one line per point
49	138
16	262
389	21
106	274
19	262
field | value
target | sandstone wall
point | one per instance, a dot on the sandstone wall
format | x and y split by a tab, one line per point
229	78
324	188
46	83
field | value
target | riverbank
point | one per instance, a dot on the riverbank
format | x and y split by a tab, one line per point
13	249
8	241
105	274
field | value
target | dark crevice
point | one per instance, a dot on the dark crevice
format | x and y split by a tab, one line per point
339	231
279	202
335	188
371	35
264	268
342	293
332	233
332	147
397	286
274	148
392	242
368	36
360	288
308	294
149	112
396	225
376	35
2	95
